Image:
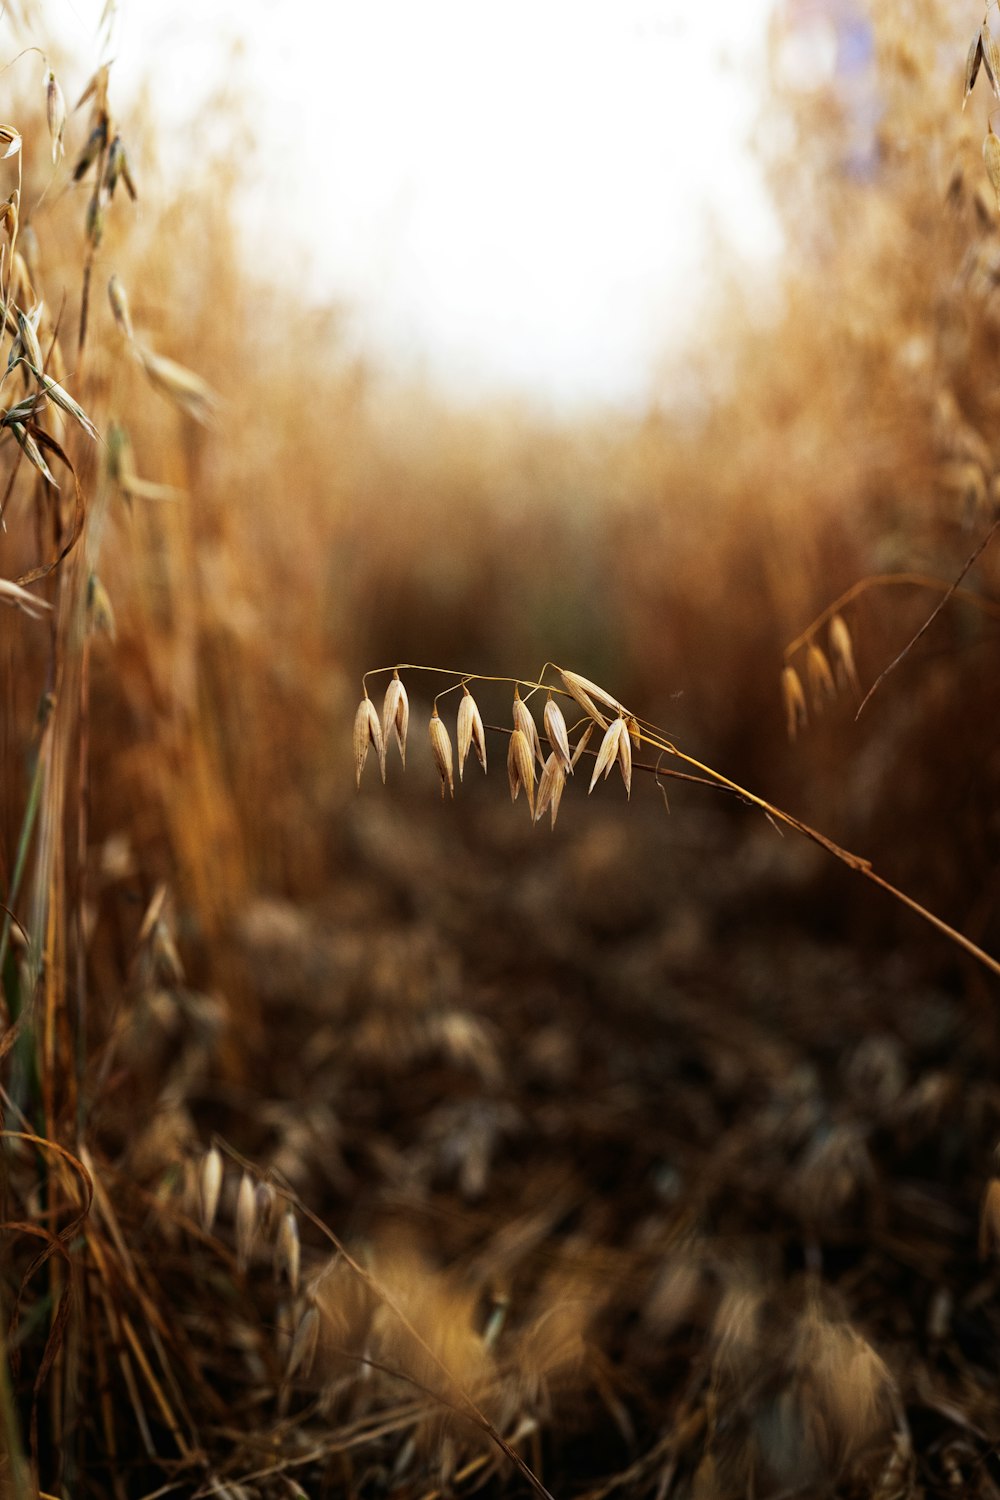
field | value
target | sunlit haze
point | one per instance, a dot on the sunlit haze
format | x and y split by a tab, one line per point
516	198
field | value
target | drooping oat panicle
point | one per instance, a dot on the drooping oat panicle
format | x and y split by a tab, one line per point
585	691
551	784
555	729
521	768
443	758
210	1186
470	731
842	651
367	733
396	715
246	1220
287	1250
581	745
118	297
796	714
821	684
524	720
55	114
610	752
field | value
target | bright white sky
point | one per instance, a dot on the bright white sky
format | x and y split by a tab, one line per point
516	195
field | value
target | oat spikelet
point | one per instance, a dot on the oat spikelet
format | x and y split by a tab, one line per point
304	1343
118	297
288	1251
55	113
991	156
821	684
524	720
470	731
610	752
842	651
972	63
796	714
550	787
990	55
210	1186
183	387
585	691
581	745
396	715
521	769
441	746
556	732
10	140
246	1220
367	733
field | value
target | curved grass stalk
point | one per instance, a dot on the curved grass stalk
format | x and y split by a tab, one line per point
647	734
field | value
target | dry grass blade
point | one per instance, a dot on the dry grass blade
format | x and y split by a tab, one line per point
470	731
12	593
555	729
521	769
441	747
970	561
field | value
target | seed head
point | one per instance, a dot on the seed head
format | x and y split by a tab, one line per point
555	729
470	731
210	1186
585	692
246	1220
55	111
550	787
796	715
396	715
521	769
287	1251
304	1343
367	732
842	651
441	746
581	745
118	297
615	747
821	685
524	721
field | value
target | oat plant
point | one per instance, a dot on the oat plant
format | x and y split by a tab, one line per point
617	733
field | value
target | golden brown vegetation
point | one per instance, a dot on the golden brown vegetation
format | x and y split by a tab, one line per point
351	1149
